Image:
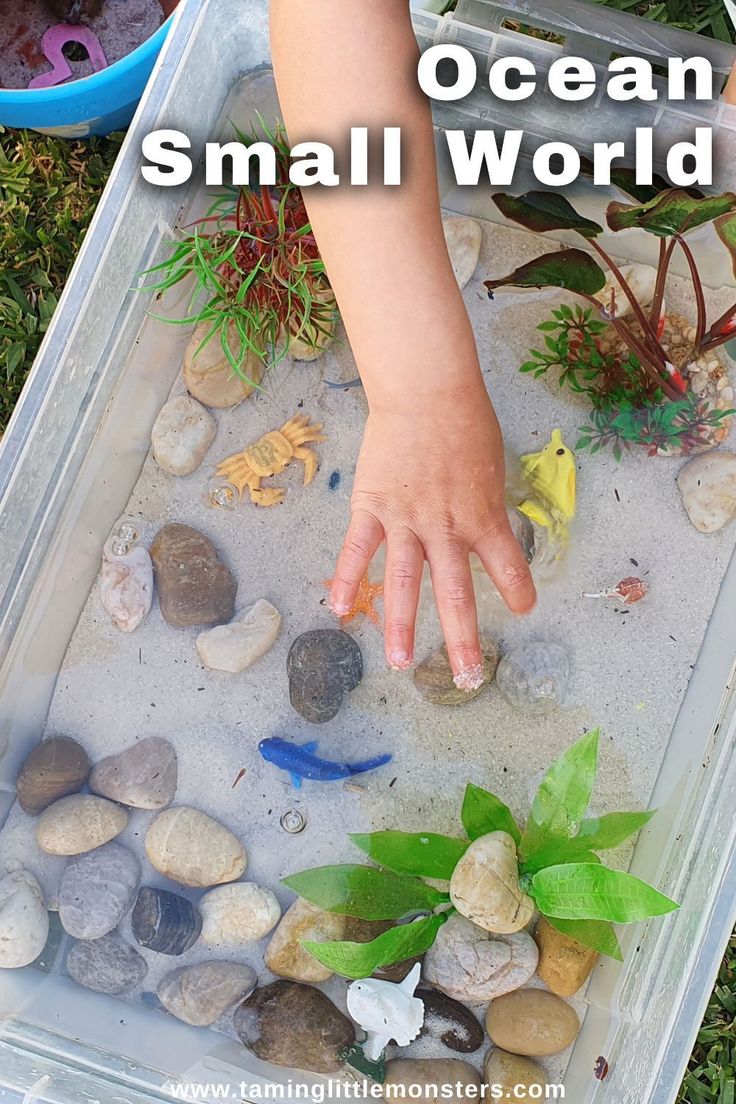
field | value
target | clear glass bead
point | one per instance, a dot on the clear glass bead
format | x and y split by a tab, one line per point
223	496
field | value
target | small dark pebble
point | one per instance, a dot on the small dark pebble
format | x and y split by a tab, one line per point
323	666
334	482
165	922
450	1022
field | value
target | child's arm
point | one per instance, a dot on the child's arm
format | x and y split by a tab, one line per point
430	478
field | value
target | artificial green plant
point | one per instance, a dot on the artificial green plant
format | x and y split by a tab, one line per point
638	397
559	868
259	282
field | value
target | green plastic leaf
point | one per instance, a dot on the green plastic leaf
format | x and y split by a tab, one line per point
586	891
726	230
360	960
602	833
673	212
422	853
483	812
556	853
364	891
541	211
598	934
570	269
564	793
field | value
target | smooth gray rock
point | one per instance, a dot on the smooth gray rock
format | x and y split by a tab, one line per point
97	889
107	965
143	776
323	666
200	994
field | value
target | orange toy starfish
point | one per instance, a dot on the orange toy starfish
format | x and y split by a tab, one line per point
364	601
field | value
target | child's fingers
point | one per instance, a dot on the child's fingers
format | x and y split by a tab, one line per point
502	557
455	599
401	583
362	540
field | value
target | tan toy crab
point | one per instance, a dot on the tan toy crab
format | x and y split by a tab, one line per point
269	456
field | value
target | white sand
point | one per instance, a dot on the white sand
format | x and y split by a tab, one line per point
630	669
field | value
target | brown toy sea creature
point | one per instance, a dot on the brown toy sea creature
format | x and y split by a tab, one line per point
269	456
628	591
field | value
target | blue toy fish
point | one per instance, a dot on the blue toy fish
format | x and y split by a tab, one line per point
301	762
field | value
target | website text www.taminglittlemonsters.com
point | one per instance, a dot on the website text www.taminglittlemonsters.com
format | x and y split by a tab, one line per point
361	1090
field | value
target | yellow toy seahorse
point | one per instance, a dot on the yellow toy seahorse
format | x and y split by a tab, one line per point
551	476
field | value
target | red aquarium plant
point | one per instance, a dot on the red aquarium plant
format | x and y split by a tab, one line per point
637	394
259	282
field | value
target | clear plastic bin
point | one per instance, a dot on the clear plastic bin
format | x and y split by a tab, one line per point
73	452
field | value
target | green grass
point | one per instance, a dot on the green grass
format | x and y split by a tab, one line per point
48	193
711	1076
49	189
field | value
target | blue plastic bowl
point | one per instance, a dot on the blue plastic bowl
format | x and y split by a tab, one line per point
99	104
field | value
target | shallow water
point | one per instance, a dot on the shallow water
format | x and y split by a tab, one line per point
121	26
630	666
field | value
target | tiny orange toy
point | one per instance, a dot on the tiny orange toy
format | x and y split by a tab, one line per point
364	601
269	456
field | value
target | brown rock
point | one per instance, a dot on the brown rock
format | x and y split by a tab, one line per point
511	1073
445	1073
564	964
532	1022
194	587
209	376
433	677
294	1025
54	769
79	823
454	1025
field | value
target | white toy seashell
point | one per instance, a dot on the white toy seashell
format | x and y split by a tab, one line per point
386	1010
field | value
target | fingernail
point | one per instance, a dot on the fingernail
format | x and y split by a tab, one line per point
399	661
338	608
469	678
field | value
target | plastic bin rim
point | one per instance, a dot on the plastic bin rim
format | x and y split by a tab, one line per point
72	89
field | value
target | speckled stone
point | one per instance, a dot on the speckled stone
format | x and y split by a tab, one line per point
433	677
165	922
450	1022
97	889
519	1078
54	769
107	965
79	823
181	435
294	1025
194	849
532	1022
471	965
200	994
323	666
564	964
143	776
241	912
24	921
194	586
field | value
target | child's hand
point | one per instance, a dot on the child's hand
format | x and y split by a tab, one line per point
431	484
